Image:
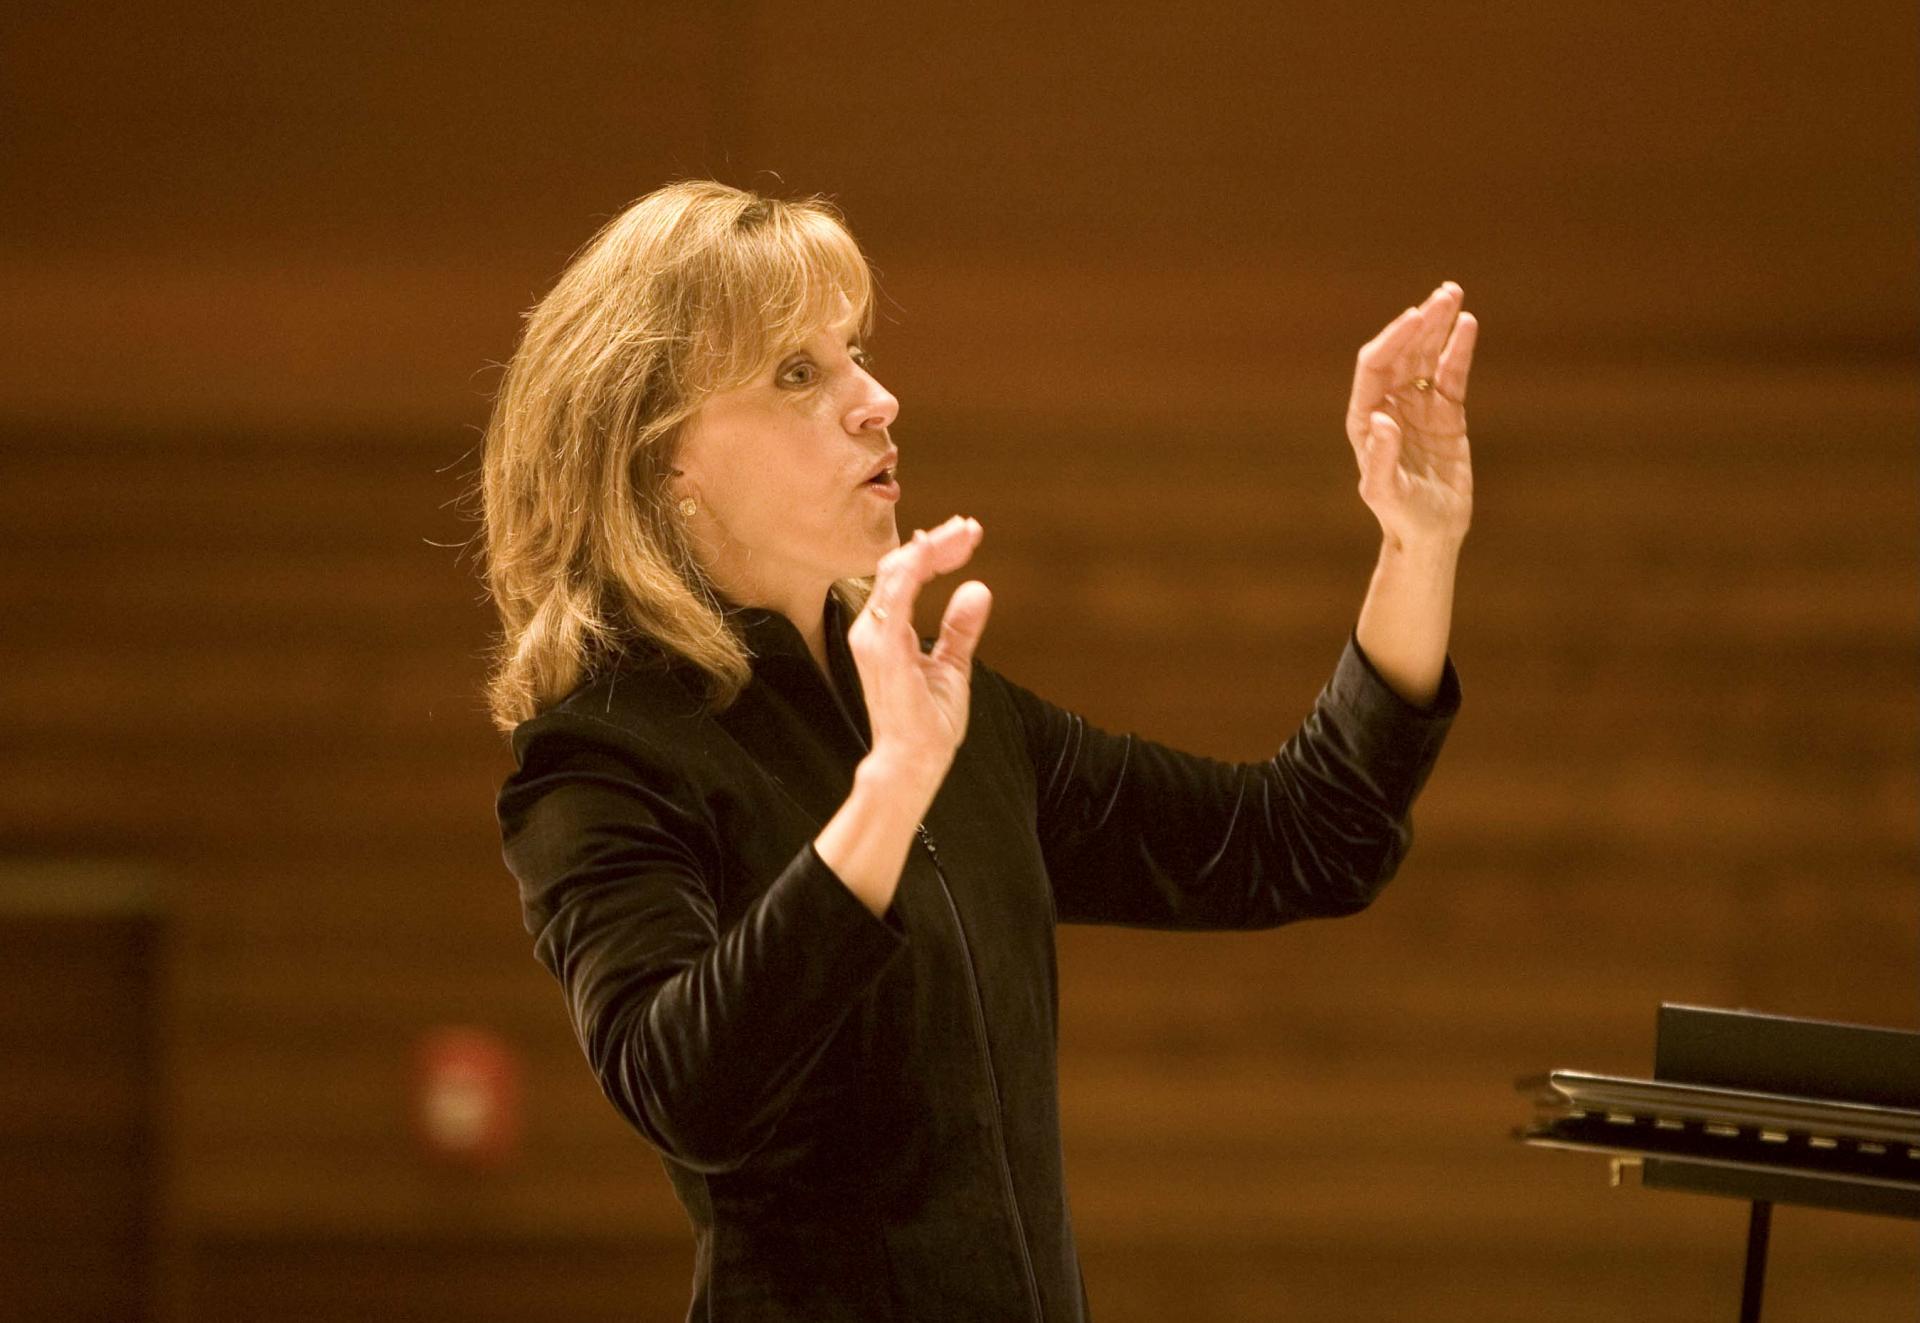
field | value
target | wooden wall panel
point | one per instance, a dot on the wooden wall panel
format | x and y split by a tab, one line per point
300	216
262	273
1684	772
427	1278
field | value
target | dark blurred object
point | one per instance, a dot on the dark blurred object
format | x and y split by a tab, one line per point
80	1034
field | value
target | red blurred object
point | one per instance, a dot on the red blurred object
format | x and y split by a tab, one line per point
466	1099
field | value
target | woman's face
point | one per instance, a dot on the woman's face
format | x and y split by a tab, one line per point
781	470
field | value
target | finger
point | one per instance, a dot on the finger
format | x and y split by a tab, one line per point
1436	322
1392	333
943	549
896	585
962	625
951	544
1456	360
1378	369
904	570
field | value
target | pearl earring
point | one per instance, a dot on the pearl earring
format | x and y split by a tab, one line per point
685	504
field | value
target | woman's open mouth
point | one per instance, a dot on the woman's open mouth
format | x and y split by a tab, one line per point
885	482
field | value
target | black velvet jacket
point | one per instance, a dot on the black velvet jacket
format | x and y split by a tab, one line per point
860	1114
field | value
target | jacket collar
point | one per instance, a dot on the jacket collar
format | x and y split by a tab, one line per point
781	659
771	637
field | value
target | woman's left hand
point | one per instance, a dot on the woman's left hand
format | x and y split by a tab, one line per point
1407	421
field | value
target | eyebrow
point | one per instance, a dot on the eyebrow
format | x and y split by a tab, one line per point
801	349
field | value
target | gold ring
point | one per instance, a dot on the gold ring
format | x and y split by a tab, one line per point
1423	384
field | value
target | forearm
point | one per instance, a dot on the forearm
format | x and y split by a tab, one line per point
703	1038
1140	833
1406	618
866	842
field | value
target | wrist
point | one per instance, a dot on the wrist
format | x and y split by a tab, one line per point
1432	548
896	776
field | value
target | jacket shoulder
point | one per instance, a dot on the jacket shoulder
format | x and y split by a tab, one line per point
622	746
642	714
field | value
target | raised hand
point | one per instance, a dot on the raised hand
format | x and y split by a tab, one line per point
1407	421
917	703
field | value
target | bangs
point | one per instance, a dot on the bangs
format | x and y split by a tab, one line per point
777	279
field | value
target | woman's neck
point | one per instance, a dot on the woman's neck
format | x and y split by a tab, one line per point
805	609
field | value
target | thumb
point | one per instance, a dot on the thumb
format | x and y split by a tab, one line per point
960	628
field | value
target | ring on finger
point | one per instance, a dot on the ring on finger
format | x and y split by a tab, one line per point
1423	384
877	611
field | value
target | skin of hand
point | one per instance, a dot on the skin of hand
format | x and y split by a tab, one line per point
1416	473
917	704
1416	476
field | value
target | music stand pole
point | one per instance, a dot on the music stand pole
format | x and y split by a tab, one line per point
1758	1224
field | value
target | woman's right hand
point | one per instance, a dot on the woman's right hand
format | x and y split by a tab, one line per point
917	702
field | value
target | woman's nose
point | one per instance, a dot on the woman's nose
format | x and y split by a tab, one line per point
876	410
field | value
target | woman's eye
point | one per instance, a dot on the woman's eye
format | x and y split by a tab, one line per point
803	372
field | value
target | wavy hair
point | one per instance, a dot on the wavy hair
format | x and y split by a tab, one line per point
690	290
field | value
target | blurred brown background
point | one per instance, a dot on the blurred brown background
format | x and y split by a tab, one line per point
257	263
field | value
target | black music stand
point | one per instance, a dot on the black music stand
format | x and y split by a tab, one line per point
1768	1108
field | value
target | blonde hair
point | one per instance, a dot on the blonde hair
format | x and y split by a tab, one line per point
692	289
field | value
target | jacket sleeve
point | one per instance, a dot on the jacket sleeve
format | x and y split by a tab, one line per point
1138	834
701	1036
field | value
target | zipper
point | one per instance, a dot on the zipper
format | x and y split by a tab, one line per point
993	1083
979	1024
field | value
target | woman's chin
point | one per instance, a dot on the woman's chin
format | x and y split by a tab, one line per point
866	561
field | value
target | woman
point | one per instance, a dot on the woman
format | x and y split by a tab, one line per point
798	873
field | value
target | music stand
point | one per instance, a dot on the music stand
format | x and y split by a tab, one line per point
1767	1108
